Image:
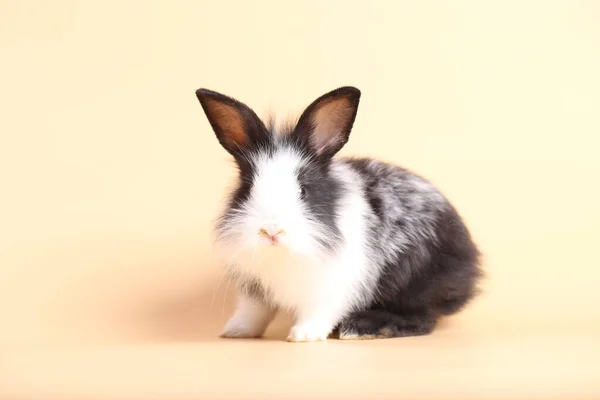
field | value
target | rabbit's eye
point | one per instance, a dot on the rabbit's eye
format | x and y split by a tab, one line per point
302	192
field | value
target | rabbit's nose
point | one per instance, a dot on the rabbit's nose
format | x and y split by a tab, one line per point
270	231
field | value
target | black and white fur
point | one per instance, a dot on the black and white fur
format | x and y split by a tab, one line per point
362	249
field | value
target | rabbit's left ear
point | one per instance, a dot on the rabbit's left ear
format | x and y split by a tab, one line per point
237	127
327	122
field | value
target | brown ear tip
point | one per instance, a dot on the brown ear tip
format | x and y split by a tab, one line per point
203	93
349	91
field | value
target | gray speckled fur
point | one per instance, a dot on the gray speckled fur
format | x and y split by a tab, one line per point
403	196
426	262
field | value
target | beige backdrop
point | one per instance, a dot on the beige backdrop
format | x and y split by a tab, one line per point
110	178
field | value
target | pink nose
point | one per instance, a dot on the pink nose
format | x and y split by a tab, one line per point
270	230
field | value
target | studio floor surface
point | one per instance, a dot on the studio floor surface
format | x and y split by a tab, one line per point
450	364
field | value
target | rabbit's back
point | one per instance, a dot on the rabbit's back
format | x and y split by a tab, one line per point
417	240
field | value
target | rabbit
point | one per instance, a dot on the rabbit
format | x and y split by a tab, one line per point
353	248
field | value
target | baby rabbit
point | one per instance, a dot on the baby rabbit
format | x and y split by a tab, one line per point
355	248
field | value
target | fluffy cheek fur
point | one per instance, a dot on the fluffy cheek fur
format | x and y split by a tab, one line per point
274	199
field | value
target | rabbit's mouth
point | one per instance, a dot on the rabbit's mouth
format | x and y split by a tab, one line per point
271	235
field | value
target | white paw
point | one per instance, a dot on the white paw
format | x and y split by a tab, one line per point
308	333
240	328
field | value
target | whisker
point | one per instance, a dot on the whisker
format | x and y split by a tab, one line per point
216	290
225	297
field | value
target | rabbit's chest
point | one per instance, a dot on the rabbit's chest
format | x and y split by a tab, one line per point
291	282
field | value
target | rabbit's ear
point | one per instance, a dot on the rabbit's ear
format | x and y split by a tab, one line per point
236	126
327	122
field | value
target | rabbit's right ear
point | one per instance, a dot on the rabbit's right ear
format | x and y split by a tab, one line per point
235	124
327	122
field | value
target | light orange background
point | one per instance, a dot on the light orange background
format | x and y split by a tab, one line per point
110	178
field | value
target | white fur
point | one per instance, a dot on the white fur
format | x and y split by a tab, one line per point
319	287
249	320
